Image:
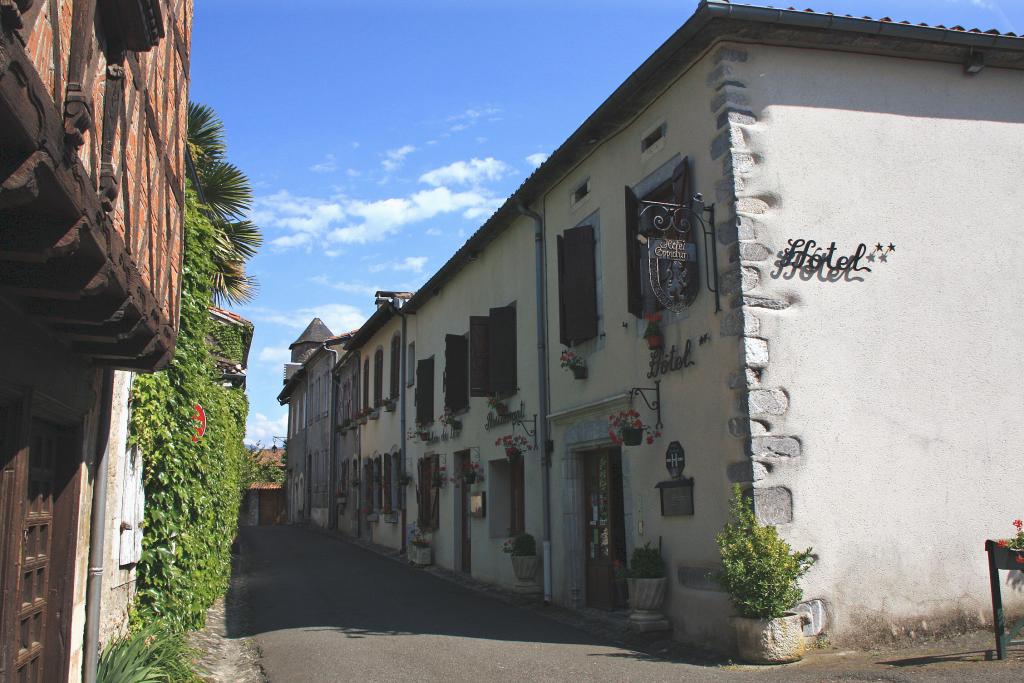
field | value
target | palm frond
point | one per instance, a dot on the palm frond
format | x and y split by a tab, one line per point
231	285
226	189
206	138
242	239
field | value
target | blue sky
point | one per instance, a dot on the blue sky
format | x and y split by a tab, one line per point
379	134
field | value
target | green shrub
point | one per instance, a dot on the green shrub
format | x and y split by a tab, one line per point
759	569
523	545
646	563
151	655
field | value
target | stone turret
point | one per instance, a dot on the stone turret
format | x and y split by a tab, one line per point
315	334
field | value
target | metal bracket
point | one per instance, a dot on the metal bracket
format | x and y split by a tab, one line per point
656	405
709	229
521	422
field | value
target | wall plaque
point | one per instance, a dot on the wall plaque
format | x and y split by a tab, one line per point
676	497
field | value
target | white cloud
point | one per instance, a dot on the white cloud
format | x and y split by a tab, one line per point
274	354
412	264
352	173
537	159
338	317
394	158
349	287
262	429
434	232
355	145
470	172
328	165
387	216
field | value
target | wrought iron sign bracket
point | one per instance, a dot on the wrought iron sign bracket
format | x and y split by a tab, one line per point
532	433
709	229
655	405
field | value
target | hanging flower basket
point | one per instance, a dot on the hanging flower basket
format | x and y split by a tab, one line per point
625	427
653	334
468	473
499	407
574	363
513	445
448	419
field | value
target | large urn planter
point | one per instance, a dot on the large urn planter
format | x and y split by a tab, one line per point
420	555
525	569
645	599
770	641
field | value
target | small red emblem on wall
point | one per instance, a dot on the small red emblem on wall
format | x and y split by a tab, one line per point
200	419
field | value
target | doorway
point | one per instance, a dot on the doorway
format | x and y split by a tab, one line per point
462	462
605	528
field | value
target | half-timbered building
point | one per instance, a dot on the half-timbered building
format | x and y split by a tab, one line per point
93	98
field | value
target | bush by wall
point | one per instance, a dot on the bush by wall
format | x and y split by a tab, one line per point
193	487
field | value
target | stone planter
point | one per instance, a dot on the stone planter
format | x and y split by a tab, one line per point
645	599
420	555
770	641
525	568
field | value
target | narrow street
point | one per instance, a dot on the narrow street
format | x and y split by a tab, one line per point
322	609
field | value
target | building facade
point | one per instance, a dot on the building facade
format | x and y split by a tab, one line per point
769	195
93	104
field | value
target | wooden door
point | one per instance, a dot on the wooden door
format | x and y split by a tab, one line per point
462	460
271	505
605	531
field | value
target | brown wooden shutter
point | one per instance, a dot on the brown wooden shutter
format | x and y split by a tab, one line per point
580	284
634	254
502	350
378	377
681	192
425	390
517	496
456	366
479	355
396	367
435	502
560	245
366	384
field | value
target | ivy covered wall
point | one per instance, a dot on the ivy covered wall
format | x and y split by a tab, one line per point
193	487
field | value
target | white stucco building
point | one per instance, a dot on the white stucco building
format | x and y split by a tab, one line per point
866	397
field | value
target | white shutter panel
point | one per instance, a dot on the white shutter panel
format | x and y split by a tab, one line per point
130	545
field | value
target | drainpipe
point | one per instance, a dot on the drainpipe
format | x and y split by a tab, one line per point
332	505
97	533
396	306
542	390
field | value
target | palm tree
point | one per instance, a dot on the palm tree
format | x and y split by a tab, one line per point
227	192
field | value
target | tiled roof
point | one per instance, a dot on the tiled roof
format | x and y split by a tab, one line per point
265	486
315	331
991	31
230	315
267	456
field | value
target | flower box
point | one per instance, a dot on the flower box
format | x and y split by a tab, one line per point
389	406
579	371
374	415
1005	558
420	555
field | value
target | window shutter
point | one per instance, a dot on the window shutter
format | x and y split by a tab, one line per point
502	350
366	384
435	495
130	541
517	497
425	390
378	378
396	366
560	244
634	254
580	284
456	383
681	192
479	363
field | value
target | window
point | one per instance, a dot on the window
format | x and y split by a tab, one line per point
395	377
397	492
428	494
378	377
386	484
366	383
517	497
492	343
506	498
456	366
410	365
577	285
676	190
651	138
346	400
425	390
378	498
580	193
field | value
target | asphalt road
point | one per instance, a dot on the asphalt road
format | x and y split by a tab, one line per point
321	609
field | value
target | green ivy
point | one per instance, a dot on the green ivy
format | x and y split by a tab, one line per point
193	487
231	340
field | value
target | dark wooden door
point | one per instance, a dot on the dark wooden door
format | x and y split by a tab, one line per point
271	506
462	460
605	531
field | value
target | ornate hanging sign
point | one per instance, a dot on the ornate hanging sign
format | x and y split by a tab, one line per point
671	254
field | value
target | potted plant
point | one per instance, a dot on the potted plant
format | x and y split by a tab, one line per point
405	479
513	445
569	359
440	478
652	333
647	588
1008	553
626	427
419	550
362	416
389	404
760	572
523	549
421	432
469	473
448	419
499	407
